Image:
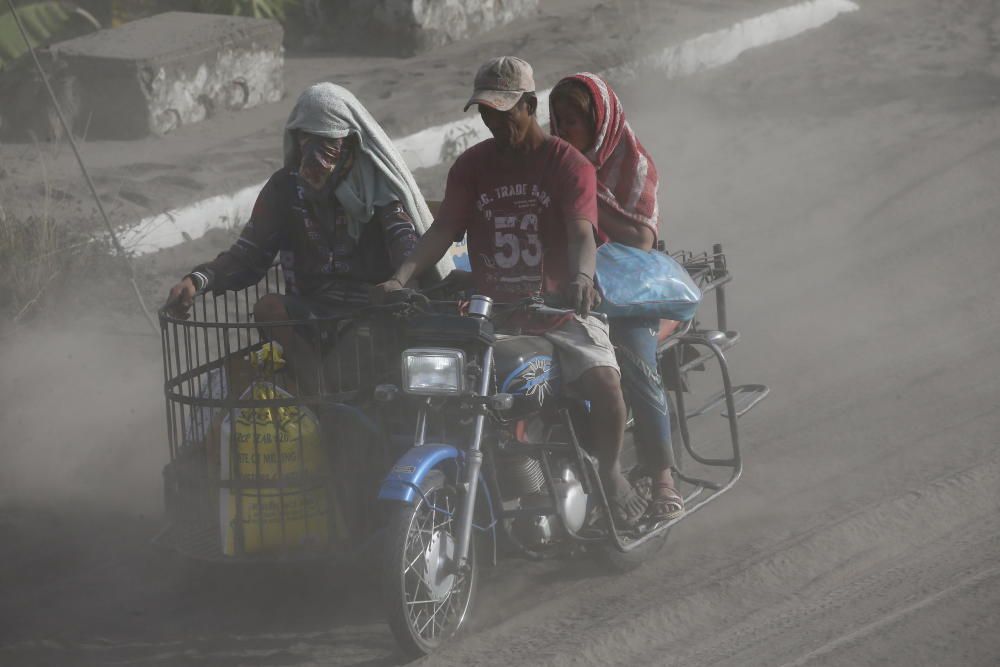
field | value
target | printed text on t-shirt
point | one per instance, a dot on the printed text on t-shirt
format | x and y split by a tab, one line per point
514	211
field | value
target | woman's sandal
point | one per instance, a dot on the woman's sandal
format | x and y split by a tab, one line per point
664	506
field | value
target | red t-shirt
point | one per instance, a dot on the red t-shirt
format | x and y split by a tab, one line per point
515	209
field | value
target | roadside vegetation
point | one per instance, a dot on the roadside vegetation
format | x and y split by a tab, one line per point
45	259
37	255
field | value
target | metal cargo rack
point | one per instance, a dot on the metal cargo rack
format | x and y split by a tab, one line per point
205	373
696	347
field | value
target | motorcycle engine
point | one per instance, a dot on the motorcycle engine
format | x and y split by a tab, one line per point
522	482
543	529
571	498
520	475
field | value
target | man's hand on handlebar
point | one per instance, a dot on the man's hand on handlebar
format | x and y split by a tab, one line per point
181	297
582	295
378	293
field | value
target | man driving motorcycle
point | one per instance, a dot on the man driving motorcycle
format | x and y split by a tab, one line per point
528	204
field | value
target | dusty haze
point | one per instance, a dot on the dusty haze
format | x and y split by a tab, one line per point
851	175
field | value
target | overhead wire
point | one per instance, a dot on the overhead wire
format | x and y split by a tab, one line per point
119	250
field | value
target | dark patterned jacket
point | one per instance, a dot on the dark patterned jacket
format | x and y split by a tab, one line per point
318	255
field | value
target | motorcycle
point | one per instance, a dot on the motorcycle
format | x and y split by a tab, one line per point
498	468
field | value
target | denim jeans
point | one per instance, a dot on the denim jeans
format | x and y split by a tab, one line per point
636	341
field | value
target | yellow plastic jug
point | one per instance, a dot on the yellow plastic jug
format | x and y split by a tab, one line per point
274	444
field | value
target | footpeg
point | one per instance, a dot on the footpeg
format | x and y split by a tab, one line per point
745	397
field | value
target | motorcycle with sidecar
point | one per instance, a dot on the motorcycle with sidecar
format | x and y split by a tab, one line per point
424	432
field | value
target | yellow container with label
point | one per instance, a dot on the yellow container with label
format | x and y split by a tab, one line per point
274	445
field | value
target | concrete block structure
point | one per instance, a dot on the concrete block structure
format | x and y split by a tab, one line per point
156	74
407	27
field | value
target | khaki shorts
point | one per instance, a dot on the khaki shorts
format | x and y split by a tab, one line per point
582	344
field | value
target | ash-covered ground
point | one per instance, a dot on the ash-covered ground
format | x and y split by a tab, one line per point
850	175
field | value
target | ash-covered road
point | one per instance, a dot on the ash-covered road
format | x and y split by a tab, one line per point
851	175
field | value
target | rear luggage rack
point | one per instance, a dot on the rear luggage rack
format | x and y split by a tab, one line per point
745	396
693	347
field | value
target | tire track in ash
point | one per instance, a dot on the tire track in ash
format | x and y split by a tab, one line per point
897	615
953	626
588	629
886	593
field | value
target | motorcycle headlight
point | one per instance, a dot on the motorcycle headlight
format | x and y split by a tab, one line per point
433	371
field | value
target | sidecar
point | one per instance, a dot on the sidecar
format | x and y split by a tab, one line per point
270	460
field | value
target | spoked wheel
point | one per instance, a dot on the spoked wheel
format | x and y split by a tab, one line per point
426	599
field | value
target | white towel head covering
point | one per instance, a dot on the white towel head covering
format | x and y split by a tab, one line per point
378	176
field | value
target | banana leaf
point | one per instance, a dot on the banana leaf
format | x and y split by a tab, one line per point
44	22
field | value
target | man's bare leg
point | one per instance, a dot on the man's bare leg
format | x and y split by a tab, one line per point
298	351
602	387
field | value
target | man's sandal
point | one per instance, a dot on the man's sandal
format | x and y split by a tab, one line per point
627	507
665	507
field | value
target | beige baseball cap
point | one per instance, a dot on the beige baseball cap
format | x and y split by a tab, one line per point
500	82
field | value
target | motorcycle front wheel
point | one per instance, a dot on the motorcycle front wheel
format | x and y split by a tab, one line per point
426	600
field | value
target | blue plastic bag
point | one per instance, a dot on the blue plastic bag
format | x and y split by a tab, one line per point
644	283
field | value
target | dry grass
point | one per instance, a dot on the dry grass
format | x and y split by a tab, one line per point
29	257
36	254
42	261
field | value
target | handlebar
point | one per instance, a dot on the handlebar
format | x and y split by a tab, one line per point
418	298
538	306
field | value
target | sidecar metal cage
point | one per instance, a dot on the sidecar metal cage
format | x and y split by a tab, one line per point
297	475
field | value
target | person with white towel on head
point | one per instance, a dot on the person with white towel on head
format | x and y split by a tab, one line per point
342	214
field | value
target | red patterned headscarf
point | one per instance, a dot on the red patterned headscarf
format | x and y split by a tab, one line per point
626	176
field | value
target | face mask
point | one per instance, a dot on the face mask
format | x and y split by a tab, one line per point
321	159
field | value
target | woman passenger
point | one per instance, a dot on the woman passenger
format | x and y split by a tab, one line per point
585	112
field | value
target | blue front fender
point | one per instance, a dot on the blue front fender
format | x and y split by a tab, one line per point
410	470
